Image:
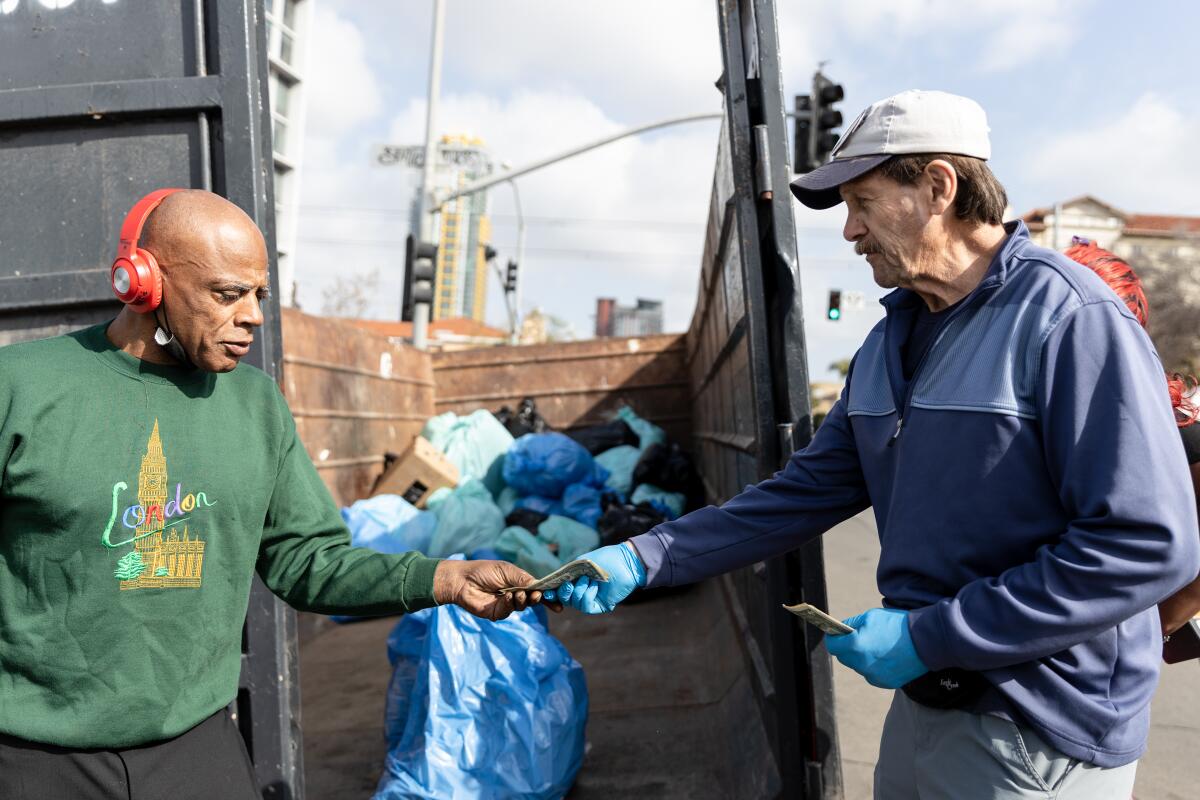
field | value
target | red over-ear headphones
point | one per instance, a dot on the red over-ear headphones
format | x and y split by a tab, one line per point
135	277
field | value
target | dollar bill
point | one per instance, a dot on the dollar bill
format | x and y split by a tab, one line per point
564	574
815	616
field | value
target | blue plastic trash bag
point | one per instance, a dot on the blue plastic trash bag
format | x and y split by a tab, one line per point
390	524
648	433
507	499
542	505
527	551
546	463
467	519
477	709
573	538
581	502
671	504
620	463
476	444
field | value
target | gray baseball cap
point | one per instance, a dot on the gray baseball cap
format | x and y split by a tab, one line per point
905	123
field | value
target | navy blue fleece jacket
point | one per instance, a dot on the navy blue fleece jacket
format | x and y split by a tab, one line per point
1031	493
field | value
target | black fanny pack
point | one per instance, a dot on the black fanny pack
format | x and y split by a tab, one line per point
947	688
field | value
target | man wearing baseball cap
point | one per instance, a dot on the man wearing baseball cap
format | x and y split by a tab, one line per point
1009	425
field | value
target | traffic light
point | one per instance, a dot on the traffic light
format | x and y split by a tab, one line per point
834	312
419	268
802	156
824	117
816	119
510	278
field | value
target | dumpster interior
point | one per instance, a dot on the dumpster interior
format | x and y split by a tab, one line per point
674	690
672	713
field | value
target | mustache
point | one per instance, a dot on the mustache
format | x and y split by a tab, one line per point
865	248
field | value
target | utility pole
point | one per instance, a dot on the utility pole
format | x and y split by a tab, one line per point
421	311
514	333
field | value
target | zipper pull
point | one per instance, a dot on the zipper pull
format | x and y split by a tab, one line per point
896	435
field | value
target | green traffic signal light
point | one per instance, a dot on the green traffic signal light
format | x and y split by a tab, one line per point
833	311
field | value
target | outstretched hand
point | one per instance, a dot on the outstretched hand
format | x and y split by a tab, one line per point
625	573
475	587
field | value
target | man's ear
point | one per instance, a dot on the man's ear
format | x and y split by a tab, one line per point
941	184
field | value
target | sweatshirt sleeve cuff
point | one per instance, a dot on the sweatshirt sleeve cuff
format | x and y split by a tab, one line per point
654	557
929	636
418	583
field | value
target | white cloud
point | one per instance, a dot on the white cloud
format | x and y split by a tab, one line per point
342	90
641	58
1143	159
1000	34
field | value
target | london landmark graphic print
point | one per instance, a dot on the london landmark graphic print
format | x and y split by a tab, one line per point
166	554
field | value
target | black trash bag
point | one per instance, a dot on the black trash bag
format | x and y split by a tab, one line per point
620	522
526	419
526	518
666	466
669	467
599	438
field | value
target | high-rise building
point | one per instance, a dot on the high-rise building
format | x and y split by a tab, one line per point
643	319
462	231
287	39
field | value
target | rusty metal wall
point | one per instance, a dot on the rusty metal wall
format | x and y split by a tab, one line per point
355	396
574	384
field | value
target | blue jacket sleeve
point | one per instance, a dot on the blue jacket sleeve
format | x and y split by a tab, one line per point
1113	451
819	487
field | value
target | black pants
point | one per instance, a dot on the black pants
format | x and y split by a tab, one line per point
209	762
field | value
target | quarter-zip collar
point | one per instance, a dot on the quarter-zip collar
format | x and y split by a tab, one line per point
901	304
996	275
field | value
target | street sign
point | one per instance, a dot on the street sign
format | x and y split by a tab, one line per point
854	301
413	155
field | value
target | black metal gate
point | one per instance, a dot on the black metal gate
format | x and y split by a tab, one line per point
100	102
749	378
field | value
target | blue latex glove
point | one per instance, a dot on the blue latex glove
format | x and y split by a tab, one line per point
625	573
880	649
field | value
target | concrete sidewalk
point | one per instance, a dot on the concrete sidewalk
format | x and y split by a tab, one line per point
851	555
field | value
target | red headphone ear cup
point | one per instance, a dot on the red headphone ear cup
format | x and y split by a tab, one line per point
149	281
137	281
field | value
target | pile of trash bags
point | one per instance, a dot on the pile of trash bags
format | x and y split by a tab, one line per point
497	710
540	499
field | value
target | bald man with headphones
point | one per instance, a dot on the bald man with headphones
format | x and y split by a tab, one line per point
146	476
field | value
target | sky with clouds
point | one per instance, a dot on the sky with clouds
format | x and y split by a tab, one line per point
1083	96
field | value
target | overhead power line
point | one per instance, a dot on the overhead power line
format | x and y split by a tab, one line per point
541	220
563	251
683	226
577	253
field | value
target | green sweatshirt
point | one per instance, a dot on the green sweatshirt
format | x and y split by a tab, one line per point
136	502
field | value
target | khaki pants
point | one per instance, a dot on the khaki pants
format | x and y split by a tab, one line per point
926	754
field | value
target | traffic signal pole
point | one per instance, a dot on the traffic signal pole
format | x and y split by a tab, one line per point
514	332
421	311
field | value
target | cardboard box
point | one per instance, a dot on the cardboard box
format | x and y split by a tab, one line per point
418	473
